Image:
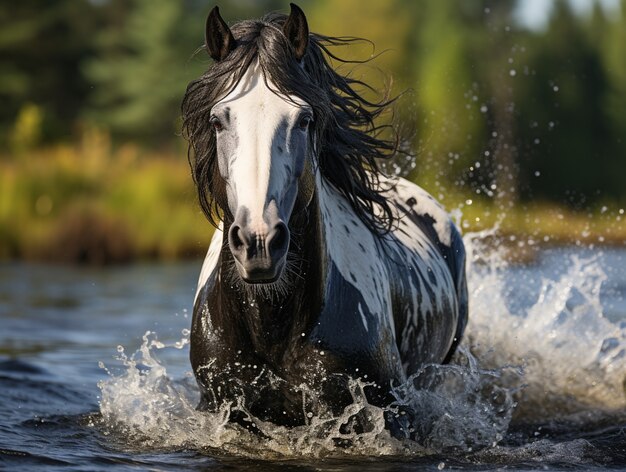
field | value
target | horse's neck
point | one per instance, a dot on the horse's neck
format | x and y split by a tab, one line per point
273	316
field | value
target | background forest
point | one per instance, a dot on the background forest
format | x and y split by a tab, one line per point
511	124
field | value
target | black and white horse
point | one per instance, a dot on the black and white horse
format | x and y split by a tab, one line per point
321	268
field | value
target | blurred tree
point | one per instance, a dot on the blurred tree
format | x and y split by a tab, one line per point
449	96
25	134
520	103
562	120
145	59
615	99
386	28
41	47
140	71
499	75
387	25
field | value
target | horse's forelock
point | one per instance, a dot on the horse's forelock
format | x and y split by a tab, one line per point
344	122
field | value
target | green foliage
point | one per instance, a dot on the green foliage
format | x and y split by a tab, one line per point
497	114
89	203
614	55
447	100
145	56
564	113
26	133
140	71
42	46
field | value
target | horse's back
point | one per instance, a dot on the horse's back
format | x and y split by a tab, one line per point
434	245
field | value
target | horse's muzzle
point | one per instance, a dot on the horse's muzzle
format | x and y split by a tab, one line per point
259	256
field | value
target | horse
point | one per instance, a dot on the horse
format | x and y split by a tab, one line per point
321	267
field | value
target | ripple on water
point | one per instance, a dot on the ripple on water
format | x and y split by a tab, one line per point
538	384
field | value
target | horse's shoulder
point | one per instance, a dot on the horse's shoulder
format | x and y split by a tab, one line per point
353	250
415	206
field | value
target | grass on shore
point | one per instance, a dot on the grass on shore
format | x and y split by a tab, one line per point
91	203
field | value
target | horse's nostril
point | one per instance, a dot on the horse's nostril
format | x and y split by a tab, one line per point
279	238
236	239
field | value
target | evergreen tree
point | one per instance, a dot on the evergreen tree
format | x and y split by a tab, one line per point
142	67
448	96
41	47
562	120
497	56
615	103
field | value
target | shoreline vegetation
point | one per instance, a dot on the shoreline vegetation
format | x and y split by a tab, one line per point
515	127
91	203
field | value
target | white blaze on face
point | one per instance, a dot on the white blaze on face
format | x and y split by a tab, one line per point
256	139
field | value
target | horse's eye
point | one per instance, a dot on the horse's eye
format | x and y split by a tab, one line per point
217	124
304	122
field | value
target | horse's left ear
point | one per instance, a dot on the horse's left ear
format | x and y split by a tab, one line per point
296	30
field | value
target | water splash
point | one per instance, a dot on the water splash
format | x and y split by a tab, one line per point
457	407
460	407
574	359
569	358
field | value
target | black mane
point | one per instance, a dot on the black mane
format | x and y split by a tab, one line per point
348	140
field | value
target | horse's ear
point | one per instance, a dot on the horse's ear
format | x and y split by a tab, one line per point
296	30
217	37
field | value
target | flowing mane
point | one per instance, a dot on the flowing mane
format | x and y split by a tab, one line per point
302	289
345	133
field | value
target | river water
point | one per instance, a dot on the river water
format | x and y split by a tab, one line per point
94	375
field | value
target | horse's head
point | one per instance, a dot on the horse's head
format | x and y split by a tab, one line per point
267	117
262	150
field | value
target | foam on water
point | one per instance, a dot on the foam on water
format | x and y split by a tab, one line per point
555	357
574	359
463	408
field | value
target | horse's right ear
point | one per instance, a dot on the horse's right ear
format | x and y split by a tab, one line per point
217	36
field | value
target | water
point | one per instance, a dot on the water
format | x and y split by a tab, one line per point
94	375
